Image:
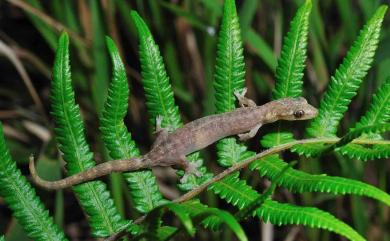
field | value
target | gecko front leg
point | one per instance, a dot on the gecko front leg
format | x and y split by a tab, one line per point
250	134
162	133
242	100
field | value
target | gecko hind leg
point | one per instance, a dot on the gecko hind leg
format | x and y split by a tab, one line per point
189	168
242	100
250	134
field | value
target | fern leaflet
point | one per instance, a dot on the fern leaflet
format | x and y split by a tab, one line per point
229	76
143	185
298	181
159	94
347	78
291	63
22	200
284	214
236	192
93	196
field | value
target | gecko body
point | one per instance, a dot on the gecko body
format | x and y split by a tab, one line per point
171	148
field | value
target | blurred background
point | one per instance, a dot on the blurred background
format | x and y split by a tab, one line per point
186	32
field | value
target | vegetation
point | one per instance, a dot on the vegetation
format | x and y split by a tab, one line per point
349	130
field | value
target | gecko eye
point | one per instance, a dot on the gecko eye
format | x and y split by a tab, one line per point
298	114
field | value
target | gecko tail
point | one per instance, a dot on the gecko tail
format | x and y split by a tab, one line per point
97	171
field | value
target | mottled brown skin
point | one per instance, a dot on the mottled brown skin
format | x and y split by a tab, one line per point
170	149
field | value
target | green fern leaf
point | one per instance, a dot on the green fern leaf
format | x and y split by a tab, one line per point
378	113
159	94
357	132
291	63
245	212
234	191
144	189
22	200
229	76
237	192
284	214
364	153
347	78
2	238
379	110
166	233
298	181
211	216
274	139
94	197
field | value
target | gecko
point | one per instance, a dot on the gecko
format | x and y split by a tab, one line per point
171	148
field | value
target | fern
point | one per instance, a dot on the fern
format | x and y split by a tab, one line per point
298	181
159	94
379	110
229	77
185	212
203	214
236	192
283	214
22	200
2	238
94	197
378	113
347	78
143	185
289	72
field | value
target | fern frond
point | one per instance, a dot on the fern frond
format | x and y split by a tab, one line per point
204	214
347	78
159	94
144	189
93	196
298	181
291	63
274	139
365	153
2	238
237	192
379	110
229	76
166	233
246	211
234	190
22	200
378	113
284	214
357	132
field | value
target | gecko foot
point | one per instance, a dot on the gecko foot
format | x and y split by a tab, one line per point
242	100
191	168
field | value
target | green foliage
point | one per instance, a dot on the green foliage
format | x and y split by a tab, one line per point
283	214
22	200
298	181
159	94
93	196
291	63
236	192
229	77
190	214
143	186
347	78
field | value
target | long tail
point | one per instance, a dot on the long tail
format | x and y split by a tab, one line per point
100	170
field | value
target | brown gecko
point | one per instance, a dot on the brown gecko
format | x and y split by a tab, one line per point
170	149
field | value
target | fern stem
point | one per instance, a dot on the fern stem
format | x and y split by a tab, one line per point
258	156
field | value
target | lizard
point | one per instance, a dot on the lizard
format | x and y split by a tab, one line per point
171	148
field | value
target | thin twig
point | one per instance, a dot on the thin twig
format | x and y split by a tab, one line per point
49	20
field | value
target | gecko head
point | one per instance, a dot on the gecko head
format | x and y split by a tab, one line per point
295	109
